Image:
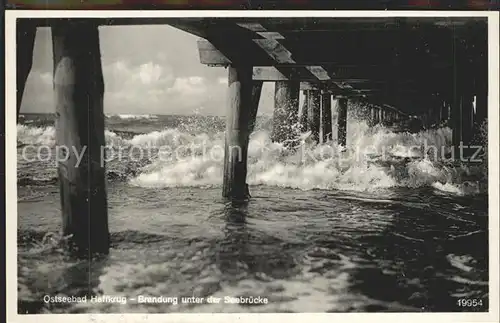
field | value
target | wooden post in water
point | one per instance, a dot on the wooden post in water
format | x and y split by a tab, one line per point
436	111
480	72
481	90
79	90
342	122
467	118
313	114
455	121
25	42
373	116
446	114
457	95
286	111
303	113
326	113
481	109
240	106
256	93
430	118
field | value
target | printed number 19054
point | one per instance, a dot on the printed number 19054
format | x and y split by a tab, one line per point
469	302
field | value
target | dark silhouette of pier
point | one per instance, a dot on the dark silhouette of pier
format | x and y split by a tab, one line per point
412	71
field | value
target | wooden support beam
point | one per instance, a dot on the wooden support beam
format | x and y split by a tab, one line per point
279	65
339	73
365	47
240	108
467	118
481	90
305	73
304	110
225	51
481	108
455	121
25	42
373	116
326	115
436	114
342	122
450	115
332	87
428	118
423	118
363	80
443	119
307	25
463	96
79	90
286	112
210	55
313	114
256	94
462	120
456	114
433	116
299	25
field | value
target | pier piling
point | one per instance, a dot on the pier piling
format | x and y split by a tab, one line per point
481	91
240	109
286	111
342	121
313	114
79	89
326	114
443	116
256	94
303	112
467	118
436	114
373	116
481	109
455	121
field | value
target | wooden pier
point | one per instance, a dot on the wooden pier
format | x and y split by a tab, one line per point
430	68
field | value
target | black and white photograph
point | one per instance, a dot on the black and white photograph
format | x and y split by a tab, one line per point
267	163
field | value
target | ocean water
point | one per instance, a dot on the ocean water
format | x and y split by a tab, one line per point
326	230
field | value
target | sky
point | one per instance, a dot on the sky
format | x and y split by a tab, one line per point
147	70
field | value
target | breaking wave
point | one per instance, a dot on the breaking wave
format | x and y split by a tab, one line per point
133	116
376	157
